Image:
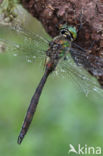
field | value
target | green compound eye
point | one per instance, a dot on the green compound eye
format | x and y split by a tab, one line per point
65	29
73	31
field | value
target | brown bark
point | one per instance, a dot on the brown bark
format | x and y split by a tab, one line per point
84	14
1	1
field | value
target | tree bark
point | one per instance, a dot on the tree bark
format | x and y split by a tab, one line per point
85	15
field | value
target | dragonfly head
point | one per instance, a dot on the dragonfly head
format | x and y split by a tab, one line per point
68	32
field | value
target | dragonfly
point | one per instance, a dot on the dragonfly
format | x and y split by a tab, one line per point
60	52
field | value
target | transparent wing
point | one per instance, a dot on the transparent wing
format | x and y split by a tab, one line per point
79	76
20	42
34	36
92	63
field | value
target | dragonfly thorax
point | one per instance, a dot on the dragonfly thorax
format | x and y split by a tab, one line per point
58	48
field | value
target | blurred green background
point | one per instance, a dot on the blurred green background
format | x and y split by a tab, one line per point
65	115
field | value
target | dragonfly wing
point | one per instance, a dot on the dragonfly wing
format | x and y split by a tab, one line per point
33	36
92	63
21	42
79	76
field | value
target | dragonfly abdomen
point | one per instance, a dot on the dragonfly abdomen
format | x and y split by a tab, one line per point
32	106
